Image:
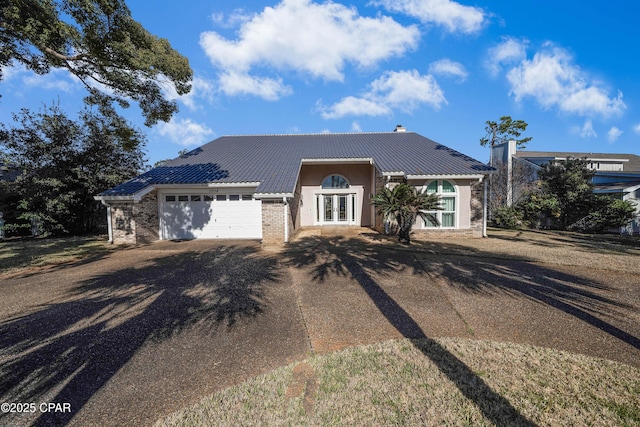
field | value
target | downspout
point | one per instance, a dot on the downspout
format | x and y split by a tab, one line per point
286	222
484	209
109	226
386	220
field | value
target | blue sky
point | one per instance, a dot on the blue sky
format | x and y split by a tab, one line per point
441	68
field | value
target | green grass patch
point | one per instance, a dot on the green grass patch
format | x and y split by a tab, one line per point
403	383
22	253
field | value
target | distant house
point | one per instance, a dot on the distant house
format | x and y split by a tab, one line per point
8	171
267	187
616	175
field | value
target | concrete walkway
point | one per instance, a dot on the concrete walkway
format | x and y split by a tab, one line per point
146	331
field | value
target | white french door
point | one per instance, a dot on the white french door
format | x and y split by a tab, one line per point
336	209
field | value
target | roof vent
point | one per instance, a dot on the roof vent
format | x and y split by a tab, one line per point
400	128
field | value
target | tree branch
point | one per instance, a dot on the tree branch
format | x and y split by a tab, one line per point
64	57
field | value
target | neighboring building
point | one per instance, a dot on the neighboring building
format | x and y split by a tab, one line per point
269	186
616	175
8	171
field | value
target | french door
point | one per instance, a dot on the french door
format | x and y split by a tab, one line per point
336	208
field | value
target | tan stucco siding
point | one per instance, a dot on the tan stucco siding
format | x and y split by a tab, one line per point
359	177
468	208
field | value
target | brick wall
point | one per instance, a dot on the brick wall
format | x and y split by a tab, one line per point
477	210
122	224
272	222
446	233
136	223
145	214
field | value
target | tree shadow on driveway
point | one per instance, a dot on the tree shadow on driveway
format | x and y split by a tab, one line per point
67	350
328	258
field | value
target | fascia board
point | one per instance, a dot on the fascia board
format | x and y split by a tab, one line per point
458	176
272	195
322	161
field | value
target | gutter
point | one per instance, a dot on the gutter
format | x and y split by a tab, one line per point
484	210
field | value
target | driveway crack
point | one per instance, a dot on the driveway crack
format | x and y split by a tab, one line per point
445	296
296	290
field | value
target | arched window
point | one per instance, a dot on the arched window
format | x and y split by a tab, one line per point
448	201
335	181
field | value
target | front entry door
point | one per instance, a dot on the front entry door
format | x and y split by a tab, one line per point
336	208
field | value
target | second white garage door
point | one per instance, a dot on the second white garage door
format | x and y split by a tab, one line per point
210	217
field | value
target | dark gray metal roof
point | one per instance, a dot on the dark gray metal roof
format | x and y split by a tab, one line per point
274	160
615	187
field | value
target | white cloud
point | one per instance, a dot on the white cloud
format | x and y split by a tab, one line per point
449	14
636	128
305	37
403	90
448	68
586	131
352	106
613	134
234	84
553	80
57	79
355	127
237	17
201	88
184	132
509	51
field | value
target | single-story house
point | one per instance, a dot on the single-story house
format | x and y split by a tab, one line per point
267	187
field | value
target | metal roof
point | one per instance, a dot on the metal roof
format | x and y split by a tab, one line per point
275	160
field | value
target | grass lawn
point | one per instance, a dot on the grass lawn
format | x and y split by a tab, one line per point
398	383
20	253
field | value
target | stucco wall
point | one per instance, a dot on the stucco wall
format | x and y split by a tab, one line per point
469	211
359	177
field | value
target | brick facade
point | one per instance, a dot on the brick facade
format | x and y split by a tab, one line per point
273	222
122	223
136	223
146	218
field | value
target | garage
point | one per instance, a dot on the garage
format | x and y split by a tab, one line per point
210	216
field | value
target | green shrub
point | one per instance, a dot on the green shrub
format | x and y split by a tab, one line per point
508	217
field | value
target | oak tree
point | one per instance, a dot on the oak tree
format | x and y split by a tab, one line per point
100	43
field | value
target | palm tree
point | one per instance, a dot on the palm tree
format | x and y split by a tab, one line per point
404	204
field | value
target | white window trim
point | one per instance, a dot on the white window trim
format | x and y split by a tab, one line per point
318	196
438	213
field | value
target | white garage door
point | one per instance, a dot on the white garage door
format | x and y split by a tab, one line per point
221	216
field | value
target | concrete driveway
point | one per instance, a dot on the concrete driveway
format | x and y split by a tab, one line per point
145	331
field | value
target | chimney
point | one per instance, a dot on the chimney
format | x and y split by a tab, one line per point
400	128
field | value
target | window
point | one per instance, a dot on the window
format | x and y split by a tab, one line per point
448	198
335	181
221	197
169	198
234	197
208	198
247	197
196	198
183	198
